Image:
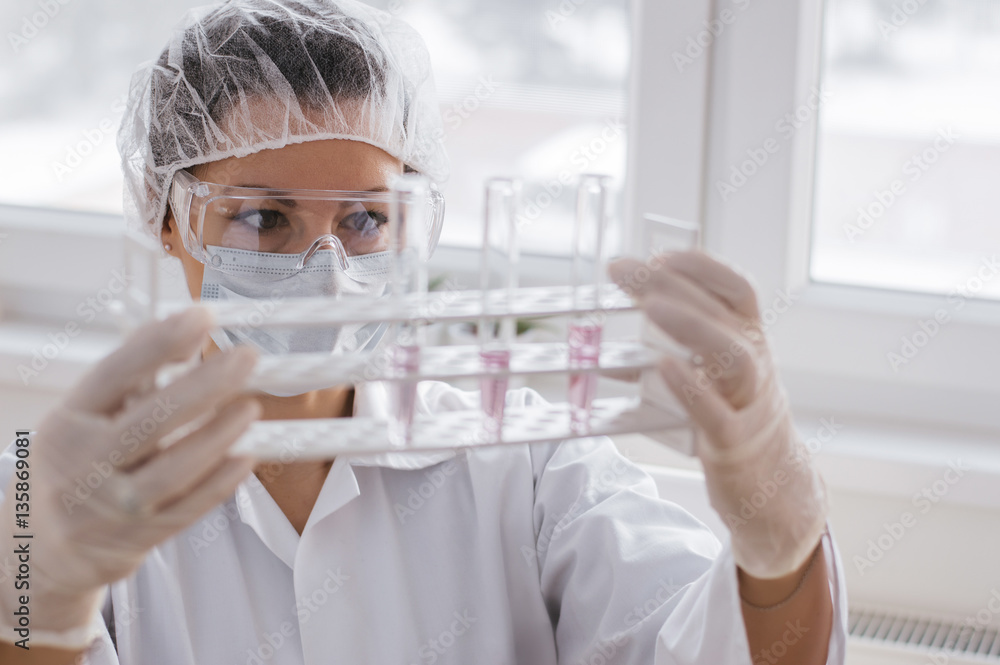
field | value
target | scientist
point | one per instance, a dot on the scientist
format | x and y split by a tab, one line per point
268	132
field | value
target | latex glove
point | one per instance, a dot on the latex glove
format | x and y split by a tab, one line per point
758	472
108	433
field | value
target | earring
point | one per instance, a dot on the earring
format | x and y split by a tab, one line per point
167	246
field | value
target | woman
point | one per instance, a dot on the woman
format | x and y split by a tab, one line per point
533	554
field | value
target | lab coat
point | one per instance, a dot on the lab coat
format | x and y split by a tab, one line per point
536	555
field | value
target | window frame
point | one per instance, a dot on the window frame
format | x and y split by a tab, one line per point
832	344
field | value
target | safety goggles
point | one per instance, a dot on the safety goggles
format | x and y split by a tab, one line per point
289	222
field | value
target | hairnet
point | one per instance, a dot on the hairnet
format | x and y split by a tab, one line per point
250	75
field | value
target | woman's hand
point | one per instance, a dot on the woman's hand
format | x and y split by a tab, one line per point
104	489
758	472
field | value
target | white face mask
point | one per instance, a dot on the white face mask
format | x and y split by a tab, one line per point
273	277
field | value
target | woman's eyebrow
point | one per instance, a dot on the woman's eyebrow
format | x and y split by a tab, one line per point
278	193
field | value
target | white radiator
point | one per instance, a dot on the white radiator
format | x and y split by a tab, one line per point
887	637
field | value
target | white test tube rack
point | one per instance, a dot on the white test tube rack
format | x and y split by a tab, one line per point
655	413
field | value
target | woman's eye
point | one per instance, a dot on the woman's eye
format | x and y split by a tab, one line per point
364	221
265	220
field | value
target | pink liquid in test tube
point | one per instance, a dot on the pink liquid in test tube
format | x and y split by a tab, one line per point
405	361
494	390
584	351
498	276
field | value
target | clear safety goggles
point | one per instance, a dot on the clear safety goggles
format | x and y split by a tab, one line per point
289	222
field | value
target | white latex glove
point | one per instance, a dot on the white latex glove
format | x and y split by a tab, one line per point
758	472
107	433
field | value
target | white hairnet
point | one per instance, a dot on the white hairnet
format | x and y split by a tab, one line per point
249	75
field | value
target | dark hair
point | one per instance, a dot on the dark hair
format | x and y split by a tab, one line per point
313	58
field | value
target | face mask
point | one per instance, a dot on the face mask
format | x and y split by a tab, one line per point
262	277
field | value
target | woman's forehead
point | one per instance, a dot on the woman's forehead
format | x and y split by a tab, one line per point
337	164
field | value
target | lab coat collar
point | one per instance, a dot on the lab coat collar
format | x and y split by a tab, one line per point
259	511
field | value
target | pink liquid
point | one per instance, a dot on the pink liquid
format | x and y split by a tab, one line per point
493	390
584	351
403	394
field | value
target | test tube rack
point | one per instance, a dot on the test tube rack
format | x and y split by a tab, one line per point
655	413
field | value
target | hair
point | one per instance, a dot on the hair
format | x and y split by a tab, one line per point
302	56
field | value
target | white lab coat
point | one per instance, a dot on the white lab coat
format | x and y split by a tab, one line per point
538	555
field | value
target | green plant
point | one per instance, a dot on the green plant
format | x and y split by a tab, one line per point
522	325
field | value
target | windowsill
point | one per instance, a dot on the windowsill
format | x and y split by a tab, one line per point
889	460
23	349
895	461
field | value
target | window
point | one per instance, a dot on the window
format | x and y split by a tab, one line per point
65	68
527	89
870	332
909	146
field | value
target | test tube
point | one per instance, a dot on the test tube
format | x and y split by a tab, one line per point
588	268
409	233
497	283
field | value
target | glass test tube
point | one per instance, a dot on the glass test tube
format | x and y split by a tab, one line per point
587	271
497	282
409	234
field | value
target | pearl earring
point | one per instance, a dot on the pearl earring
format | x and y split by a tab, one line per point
168	246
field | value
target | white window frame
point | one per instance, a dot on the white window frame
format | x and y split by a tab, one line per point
832	343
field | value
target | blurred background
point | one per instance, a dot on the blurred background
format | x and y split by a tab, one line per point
897	75
528	87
